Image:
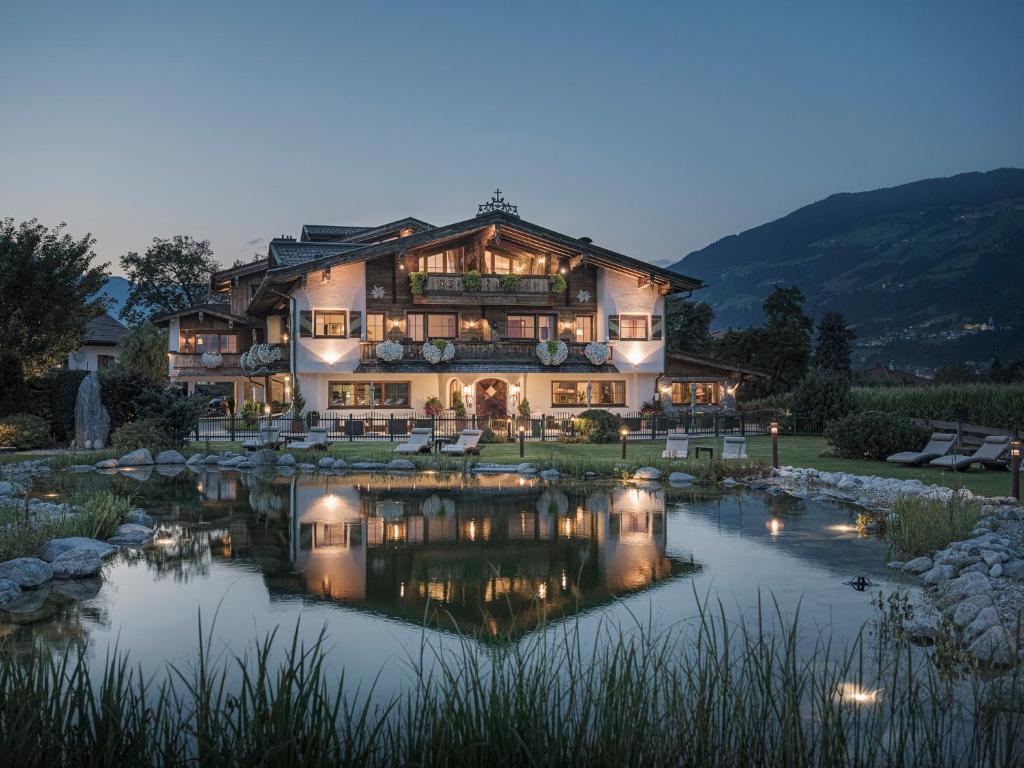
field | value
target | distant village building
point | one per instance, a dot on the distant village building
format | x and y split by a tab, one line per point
891	374
100	345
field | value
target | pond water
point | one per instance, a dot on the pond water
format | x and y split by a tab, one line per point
372	560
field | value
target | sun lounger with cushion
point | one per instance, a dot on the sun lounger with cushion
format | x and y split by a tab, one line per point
317	438
268	438
939	444
419	441
467	443
676	447
734	448
989	454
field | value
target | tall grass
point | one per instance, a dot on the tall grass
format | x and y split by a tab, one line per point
992	405
920	526
23	534
712	694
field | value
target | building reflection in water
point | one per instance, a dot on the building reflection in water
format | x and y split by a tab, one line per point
493	553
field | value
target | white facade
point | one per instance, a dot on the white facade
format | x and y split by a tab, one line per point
93	357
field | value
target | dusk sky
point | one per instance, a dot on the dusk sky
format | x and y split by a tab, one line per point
653	128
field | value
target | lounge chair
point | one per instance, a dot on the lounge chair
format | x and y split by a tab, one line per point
676	447
467	443
939	444
317	438
734	448
989	454
268	438
419	441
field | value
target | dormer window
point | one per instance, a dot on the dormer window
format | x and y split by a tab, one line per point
442	262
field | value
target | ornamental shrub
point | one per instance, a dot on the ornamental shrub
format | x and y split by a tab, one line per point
823	395
598	426
63	386
873	435
251	412
142	433
433	407
24	431
558	284
472	281
120	392
510	283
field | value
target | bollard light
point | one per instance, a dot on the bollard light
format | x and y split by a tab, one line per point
266	410
774	429
522	441
624	433
1015	468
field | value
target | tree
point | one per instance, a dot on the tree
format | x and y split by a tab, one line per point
171	276
13	392
823	395
781	349
144	351
688	325
833	350
49	290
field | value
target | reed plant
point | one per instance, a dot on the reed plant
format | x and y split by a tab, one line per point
23	533
920	526
710	693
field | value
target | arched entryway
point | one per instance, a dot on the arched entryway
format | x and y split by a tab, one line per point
491	398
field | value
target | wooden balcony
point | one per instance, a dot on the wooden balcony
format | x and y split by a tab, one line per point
481	351
532	291
191	364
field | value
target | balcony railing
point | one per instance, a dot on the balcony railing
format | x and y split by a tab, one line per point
534	290
191	364
515	351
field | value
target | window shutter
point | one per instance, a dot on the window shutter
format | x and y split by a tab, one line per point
613	327
305	324
655	327
355	325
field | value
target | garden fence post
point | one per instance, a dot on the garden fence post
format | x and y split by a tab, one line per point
350	427
716	425
743	425
231	426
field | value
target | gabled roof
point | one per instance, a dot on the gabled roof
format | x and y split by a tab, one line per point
687	364
217	310
103	331
343	233
296	261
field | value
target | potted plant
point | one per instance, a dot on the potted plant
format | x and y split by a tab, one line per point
472	281
558	284
510	283
416	281
459	408
297	407
552	352
433	407
438	351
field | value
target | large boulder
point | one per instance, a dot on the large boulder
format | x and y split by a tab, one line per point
92	422
137	458
26	572
994	646
132	535
401	465
286	460
918	565
169	457
647	473
76	564
326	463
56	547
106	464
9	591
264	458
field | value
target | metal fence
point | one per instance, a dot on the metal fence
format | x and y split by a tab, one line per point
392	426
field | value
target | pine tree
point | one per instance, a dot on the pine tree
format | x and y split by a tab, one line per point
833	350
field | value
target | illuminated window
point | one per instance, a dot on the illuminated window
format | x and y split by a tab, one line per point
546	328
707	393
584	328
574	393
633	327
416	326
197	342
497	264
367	394
449	261
522	327
375	326
442	326
329	325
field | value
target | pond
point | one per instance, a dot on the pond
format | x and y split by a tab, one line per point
377	561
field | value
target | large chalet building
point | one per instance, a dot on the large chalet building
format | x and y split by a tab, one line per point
344	312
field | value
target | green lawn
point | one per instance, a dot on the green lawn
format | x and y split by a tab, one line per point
796	451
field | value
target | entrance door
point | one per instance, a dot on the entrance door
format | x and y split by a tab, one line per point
491	398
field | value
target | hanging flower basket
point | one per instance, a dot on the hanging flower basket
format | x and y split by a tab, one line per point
212	359
389	351
260	355
438	351
552	352
597	353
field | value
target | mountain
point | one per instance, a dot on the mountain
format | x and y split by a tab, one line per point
912	264
116	291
